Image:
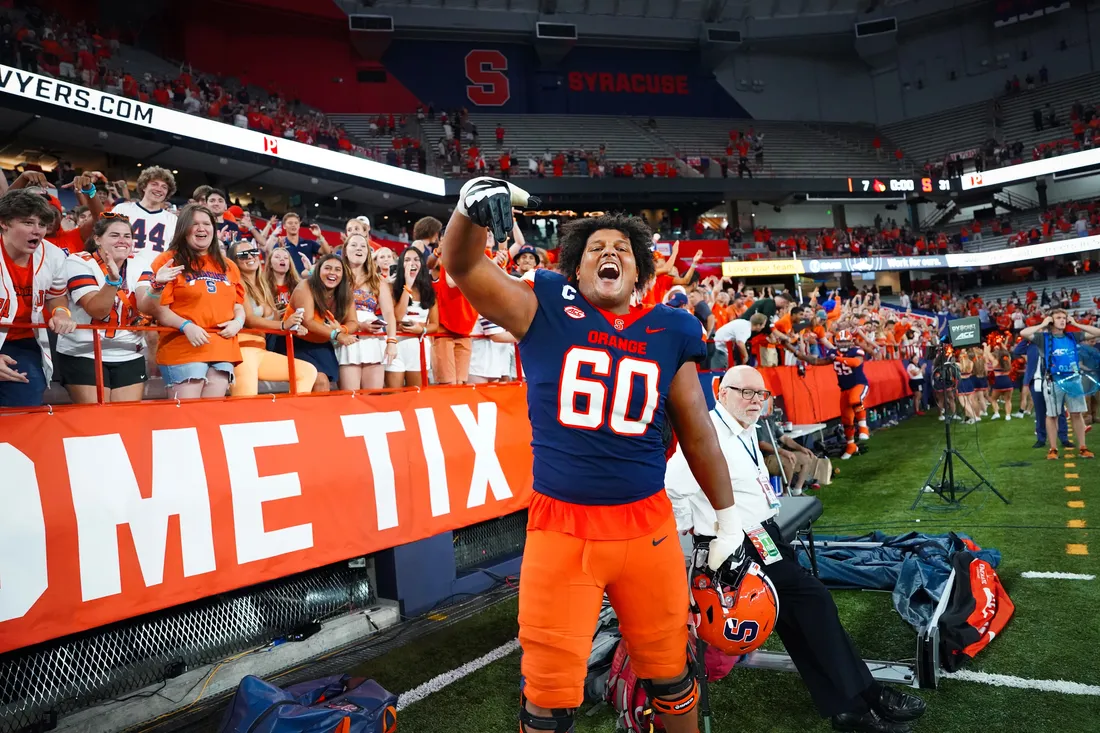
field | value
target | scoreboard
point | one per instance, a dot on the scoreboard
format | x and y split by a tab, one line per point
895	186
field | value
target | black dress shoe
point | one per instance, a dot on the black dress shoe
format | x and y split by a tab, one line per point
898	706
868	722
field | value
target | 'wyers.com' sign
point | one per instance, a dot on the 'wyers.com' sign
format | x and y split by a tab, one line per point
63	94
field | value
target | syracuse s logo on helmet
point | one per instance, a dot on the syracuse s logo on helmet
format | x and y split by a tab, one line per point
744	631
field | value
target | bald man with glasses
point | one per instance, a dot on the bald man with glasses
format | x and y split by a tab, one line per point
836	676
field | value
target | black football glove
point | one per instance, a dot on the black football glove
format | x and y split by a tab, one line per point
488	203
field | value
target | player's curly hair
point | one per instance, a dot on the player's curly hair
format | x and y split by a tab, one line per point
574	236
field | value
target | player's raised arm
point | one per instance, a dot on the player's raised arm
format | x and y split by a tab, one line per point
486	203
688	414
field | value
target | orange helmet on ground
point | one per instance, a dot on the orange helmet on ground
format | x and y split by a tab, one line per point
734	611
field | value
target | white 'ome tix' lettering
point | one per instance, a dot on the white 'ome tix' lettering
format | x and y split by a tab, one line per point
179	487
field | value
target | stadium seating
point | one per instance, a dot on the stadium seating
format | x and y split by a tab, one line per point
533	135
1087	285
1018	108
931	137
791	149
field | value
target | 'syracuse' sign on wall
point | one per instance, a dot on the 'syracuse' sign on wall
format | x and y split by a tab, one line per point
512	78
18	83
115	511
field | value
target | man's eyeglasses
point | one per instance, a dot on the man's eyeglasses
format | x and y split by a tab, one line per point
247	254
749	394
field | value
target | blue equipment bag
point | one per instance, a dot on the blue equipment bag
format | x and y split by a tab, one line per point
338	704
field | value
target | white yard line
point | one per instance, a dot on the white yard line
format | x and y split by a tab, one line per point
1064	687
439	682
1057	576
1006	680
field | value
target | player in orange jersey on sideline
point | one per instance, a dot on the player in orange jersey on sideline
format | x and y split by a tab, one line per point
602	379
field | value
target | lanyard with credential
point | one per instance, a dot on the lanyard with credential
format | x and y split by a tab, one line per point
752	453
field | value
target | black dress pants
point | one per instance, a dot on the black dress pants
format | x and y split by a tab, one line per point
827	660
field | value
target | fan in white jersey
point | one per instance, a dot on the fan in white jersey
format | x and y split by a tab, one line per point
153	225
417	315
103	286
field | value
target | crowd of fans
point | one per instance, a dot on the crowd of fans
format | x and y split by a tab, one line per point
884	236
47	43
233	287
223	293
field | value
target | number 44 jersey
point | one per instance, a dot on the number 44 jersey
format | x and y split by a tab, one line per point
596	389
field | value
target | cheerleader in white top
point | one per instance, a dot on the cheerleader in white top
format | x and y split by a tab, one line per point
418	315
362	363
490	353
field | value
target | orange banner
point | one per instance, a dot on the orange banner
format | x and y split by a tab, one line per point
815	397
115	511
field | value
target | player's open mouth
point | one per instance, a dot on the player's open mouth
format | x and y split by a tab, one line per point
608	271
33	242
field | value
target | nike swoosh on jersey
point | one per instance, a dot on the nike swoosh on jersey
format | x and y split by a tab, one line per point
653	330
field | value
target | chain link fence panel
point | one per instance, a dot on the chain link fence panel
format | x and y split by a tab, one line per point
43	682
491	541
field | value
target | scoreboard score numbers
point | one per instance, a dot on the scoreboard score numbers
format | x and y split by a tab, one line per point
899	185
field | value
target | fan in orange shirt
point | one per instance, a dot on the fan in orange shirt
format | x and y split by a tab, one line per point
198	292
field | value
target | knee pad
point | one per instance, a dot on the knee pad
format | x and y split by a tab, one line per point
674	698
560	720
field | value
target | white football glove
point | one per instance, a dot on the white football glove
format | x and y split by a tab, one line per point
488	203
729	541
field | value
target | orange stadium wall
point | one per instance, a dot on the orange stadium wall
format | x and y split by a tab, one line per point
120	510
816	397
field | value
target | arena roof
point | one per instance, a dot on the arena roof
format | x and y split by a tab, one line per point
777	24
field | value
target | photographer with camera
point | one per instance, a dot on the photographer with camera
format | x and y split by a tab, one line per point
1059	366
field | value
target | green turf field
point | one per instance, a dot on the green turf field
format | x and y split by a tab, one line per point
1055	633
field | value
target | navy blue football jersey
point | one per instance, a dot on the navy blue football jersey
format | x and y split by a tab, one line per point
596	389
849	376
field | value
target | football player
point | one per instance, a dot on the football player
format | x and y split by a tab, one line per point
602	379
847	361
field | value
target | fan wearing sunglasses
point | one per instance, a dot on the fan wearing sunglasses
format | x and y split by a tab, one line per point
259	312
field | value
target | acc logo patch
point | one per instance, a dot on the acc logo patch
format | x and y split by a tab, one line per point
574	312
743	631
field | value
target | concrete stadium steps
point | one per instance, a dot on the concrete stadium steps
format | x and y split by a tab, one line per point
533	135
1018	122
791	149
931	137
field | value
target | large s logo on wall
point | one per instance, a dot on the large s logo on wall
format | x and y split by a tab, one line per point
487	72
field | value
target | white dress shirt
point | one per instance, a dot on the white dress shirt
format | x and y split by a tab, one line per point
739	446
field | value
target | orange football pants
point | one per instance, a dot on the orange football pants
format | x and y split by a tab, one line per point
851	408
561	588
